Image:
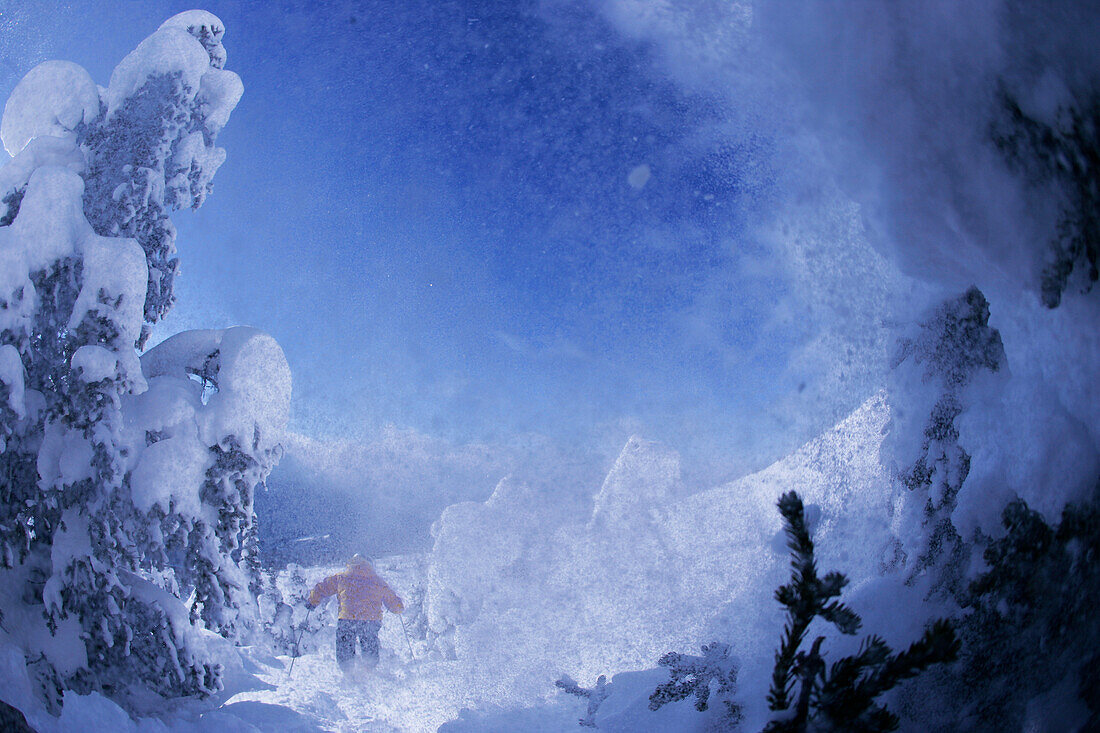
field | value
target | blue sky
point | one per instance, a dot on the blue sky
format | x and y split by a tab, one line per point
427	204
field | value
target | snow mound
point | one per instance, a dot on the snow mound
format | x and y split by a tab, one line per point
206	27
218	94
168	51
458	577
206	388
52	99
51	219
41	151
11	376
169	474
248	370
94	363
255	379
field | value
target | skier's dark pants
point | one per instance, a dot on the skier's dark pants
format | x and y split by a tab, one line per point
347	631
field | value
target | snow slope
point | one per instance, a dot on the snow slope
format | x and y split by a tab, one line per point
515	596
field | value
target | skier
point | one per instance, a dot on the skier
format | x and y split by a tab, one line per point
362	594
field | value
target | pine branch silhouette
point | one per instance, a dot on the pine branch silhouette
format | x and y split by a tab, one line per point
840	697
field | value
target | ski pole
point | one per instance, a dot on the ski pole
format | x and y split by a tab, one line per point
298	644
402	620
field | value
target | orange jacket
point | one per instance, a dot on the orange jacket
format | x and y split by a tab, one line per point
361	592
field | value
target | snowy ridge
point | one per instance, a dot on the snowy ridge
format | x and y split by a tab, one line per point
839	473
665	575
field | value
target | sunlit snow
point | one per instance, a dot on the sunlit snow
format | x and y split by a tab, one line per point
548	305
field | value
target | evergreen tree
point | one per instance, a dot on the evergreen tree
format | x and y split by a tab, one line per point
1061	160
840	697
126	484
953	345
1023	634
152	151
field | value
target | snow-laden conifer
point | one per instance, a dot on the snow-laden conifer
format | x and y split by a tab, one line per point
1060	161
152	150
126	483
933	370
1024	638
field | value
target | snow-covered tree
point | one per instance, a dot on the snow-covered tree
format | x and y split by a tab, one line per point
1060	160
595	696
933	370
1029	646
226	394
126	482
715	671
153	152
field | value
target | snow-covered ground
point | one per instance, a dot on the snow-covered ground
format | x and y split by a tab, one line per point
484	652
410	690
